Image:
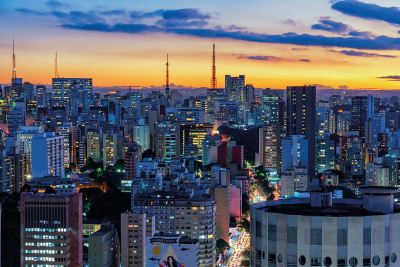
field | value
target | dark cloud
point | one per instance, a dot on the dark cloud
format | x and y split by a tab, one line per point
79	17
390	77
378	43
363	54
126	28
368	11
289	21
177	23
268	58
56	4
137	15
330	26
301	49
234	27
30	11
305	60
361	34
116	12
184	14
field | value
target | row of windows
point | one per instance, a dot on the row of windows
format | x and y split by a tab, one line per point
353	261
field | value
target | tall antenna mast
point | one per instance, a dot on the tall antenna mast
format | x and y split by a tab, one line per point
214	78
14	71
56	69
167	82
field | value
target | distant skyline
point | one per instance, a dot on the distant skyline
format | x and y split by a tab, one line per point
275	43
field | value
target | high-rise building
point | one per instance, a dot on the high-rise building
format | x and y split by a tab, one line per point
131	162
41	101
335	100
270	147
214	95
196	131
15	119
51	230
69	133
294	180
48	155
110	141
200	223
141	135
248	94
104	247
324	231
301	112
135	227
29	91
274	107
93	145
25	135
76	91
294	152
363	108
234	88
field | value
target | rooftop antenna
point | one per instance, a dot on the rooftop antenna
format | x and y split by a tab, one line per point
214	78
14	71
167	82
56	69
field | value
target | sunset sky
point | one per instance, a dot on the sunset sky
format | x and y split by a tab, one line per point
275	43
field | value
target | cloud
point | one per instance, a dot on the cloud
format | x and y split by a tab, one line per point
378	43
79	17
368	11
361	34
267	58
177	23
289	21
330	26
305	60
115	12
55	4
362	54
30	11
183	14
300	49
234	27
390	77
137	15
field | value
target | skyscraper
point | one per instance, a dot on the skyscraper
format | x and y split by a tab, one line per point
234	88
51	230
301	110
41	96
75	91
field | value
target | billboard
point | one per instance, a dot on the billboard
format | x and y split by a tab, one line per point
171	251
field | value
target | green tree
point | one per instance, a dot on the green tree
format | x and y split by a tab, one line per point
244	225
246	253
110	169
120	165
222	246
244	263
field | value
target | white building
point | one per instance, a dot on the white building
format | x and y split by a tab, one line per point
62	186
294	180
146	165
141	135
110	142
48	155
321	231
24	141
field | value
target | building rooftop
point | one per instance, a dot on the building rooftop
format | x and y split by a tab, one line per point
47	196
340	208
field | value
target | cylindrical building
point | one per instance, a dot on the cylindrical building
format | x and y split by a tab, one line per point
321	231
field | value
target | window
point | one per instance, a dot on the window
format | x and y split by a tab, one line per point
353	261
280	257
376	260
302	260
258	229
292	235
342	237
328	261
342	262
393	257
271	258
315	262
316	237
271	232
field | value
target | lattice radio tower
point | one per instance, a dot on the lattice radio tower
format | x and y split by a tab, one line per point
14	71
56	69
167	79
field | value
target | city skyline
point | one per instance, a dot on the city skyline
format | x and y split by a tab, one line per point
332	43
